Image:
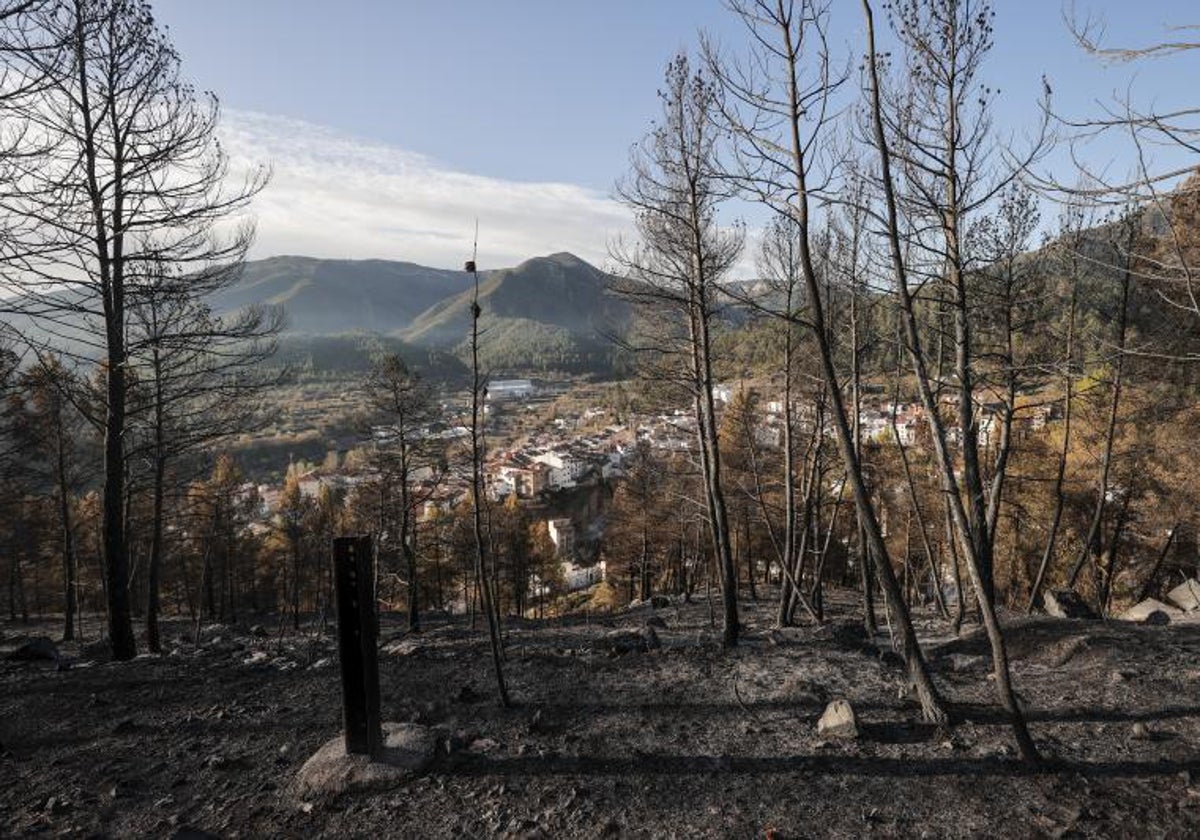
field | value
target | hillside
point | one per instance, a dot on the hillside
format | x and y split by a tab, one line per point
343	353
680	739
325	297
548	313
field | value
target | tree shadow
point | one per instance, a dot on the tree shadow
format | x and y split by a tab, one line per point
660	764
991	715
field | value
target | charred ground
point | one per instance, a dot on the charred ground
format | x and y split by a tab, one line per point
686	740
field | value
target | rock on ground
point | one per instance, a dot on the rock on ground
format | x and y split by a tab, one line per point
1186	595
629	641
838	720
36	649
1066	603
408	749
1150	611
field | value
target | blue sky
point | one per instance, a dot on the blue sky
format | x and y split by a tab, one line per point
391	124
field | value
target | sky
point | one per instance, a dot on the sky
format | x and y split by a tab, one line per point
392	125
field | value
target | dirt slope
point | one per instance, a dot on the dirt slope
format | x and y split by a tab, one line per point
684	741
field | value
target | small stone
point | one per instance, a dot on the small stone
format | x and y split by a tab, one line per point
1141	732
482	745
960	662
838	720
35	650
55	805
619	642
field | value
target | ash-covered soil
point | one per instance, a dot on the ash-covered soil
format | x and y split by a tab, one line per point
687	740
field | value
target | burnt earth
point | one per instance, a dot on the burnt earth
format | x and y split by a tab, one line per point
683	740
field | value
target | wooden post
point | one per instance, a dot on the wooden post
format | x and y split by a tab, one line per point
356	645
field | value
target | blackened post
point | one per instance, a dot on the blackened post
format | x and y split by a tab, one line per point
356	645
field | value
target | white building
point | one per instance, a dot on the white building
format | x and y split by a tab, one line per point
722	393
581	577
565	468
562	534
509	389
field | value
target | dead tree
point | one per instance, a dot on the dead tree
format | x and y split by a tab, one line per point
778	116
482	541
1123	243
1068	250
402	452
52	433
675	191
119	173
945	43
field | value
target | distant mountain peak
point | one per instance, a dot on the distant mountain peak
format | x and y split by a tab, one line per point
548	312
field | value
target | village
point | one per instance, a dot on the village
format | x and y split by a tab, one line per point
548	466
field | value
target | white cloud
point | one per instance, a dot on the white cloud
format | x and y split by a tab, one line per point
332	195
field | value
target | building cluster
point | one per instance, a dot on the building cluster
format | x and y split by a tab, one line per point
559	457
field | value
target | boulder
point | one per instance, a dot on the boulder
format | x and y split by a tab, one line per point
1066	603
402	647
656	622
408	749
38	649
619	642
1186	595
1150	611
960	662
838	720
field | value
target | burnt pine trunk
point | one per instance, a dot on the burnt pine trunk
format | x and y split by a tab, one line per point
932	706
710	451
109	253
973	545
487	602
1060	474
1092	544
153	640
70	584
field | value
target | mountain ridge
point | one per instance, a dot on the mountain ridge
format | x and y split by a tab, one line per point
550	312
